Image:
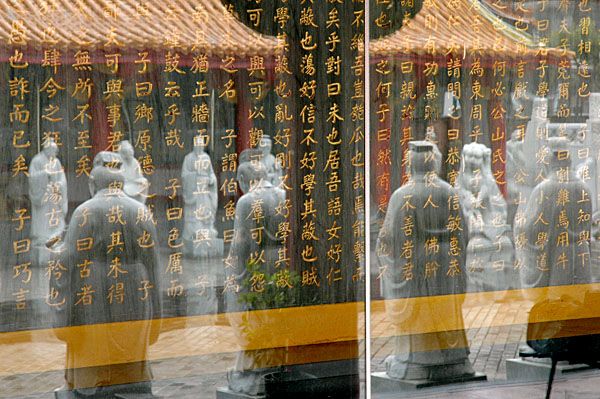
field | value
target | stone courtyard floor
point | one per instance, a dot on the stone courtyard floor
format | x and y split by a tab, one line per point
494	331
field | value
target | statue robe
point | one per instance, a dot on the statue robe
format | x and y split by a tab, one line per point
48	195
138	257
199	195
421	253
552	234
254	238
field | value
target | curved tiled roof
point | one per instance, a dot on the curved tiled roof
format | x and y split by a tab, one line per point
503	9
139	24
466	26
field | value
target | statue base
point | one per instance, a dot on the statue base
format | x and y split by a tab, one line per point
334	379
538	369
226	393
381	382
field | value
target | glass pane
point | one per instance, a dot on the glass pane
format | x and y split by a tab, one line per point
182	198
484	185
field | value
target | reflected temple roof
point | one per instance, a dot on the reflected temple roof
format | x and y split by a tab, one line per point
204	25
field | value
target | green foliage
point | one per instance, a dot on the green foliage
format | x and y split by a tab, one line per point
262	290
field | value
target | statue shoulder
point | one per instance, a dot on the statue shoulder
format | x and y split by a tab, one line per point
38	161
399	195
245	200
88	207
444	185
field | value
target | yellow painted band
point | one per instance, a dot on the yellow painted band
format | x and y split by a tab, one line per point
277	328
321	327
437	321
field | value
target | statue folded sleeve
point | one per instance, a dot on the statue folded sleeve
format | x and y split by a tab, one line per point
135	184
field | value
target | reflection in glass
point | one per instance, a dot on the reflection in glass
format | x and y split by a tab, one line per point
48	195
257	283
555	226
199	185
489	264
422	249
176	99
110	247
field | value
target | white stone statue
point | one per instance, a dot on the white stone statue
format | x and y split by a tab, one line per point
517	178
48	195
136	185
421	251
582	158
535	149
489	250
272	164
120	283
553	229
527	157
199	198
255	232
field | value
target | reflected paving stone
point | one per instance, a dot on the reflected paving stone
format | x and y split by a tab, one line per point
538	369
381	382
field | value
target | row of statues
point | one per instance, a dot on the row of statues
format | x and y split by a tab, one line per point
112	269
48	191
440	240
49	196
436	240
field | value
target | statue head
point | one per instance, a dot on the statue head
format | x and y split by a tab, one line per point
126	150
421	158
473	155
106	172
560	157
430	134
474	167
266	144
516	135
250	171
200	143
539	108
50	148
